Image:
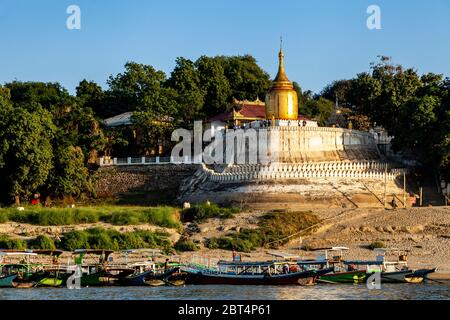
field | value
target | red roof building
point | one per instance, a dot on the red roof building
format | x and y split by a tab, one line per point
244	112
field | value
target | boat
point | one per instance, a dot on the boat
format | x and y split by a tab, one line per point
332	257
17	275
147	272
396	271
146	277
6	281
95	273
53	274
252	273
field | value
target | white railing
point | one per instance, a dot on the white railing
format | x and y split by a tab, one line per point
107	161
360	170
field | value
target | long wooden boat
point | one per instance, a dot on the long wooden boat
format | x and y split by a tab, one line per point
146	277
6	281
252	273
391	271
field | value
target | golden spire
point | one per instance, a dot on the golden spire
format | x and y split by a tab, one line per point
281	98
281	78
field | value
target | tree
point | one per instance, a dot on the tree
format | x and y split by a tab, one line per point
246	79
27	151
381	94
127	89
185	80
339	91
90	95
51	96
321	109
214	82
154	118
69	176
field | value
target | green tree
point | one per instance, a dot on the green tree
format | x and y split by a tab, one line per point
185	80
246	78
27	151
339	91
216	85
91	95
321	109
51	96
69	176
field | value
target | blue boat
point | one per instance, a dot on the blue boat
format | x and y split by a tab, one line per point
6	281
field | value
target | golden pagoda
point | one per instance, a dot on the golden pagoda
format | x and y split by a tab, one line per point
281	99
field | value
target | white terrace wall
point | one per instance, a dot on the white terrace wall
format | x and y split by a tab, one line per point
304	144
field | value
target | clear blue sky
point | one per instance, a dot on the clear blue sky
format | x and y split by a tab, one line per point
323	40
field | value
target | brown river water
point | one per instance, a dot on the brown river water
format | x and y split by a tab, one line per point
424	291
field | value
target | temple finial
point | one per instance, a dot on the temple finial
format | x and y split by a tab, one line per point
281	43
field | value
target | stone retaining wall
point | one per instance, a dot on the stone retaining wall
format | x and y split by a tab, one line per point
119	180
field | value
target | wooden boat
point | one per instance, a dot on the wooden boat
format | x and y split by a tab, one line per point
17	275
332	257
391	271
95	273
24	285
143	278
6	281
252	273
344	277
53	274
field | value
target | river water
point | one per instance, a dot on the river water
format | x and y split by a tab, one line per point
422	291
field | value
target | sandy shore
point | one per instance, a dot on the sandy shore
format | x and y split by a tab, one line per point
425	232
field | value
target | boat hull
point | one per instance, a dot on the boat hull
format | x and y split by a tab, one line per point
344	277
7	281
297	278
146	277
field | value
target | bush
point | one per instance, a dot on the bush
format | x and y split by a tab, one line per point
166	217
274	228
123	218
98	238
201	212
12	244
376	245
43	242
160	216
3	216
101	239
75	240
185	245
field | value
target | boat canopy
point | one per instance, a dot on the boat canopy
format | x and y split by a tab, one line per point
283	255
363	262
306	262
49	252
93	251
250	263
330	249
17	253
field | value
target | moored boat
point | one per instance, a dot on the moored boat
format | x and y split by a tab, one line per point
252	273
6	281
396	271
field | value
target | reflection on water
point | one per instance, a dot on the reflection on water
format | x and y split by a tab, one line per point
221	292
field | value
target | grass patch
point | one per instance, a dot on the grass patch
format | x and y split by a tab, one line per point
160	216
204	211
43	242
376	245
98	238
185	245
273	230
12	244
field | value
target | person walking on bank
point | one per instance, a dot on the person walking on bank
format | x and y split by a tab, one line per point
394	203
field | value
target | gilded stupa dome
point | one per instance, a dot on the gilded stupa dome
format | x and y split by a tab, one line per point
281	99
